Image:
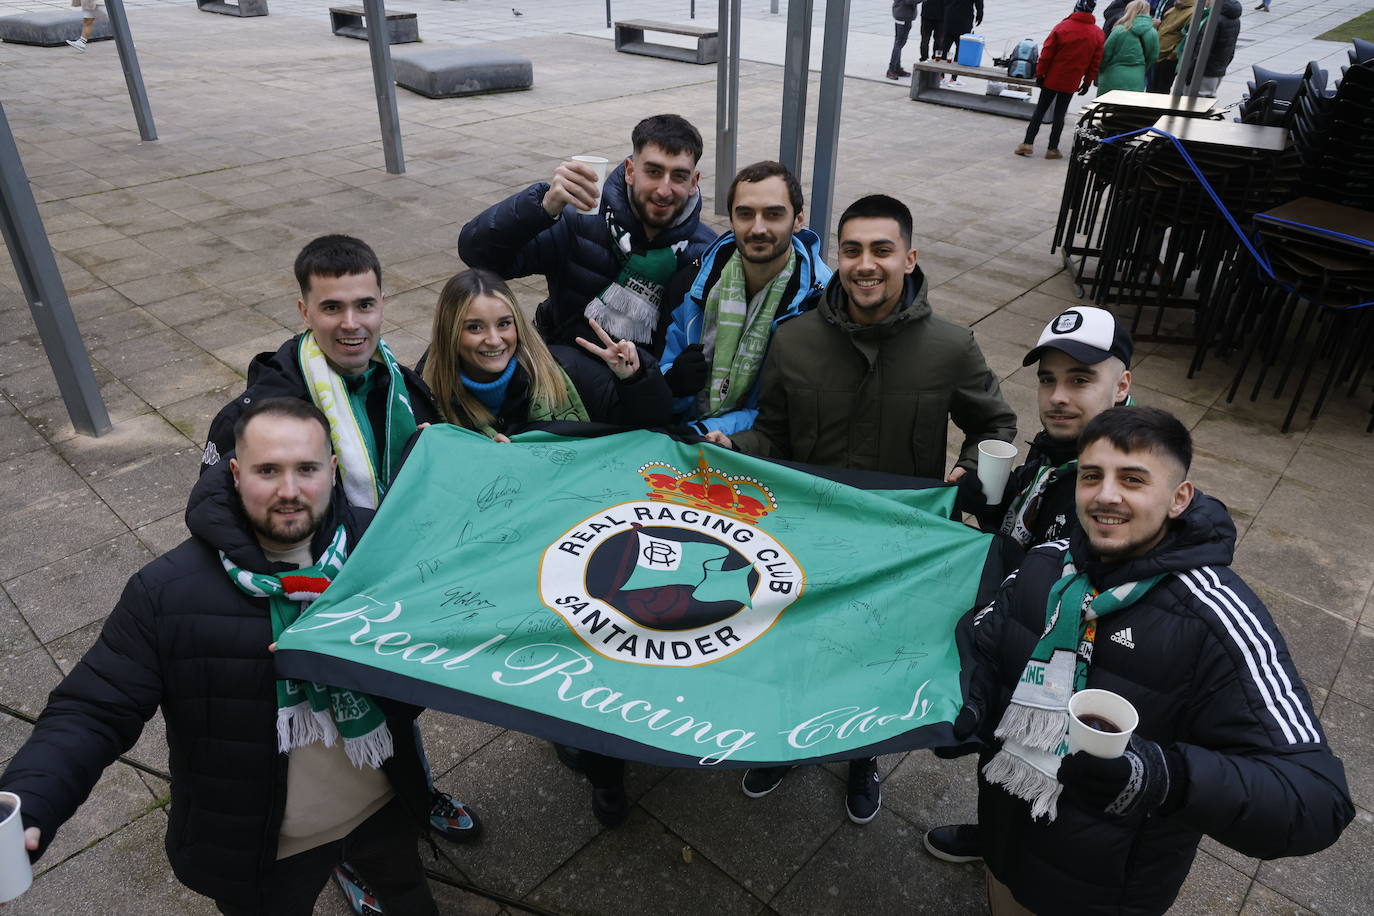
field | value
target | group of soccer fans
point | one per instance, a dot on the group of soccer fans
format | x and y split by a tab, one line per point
749	341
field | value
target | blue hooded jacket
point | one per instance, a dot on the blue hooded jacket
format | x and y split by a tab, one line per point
803	291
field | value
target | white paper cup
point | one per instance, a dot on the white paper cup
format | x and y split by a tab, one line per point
994	467
1101	705
598	164
16	874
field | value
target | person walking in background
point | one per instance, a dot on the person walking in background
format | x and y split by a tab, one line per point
1068	63
1223	45
87	23
1130	50
1171	19
903	11
960	16
1113	13
932	19
1263	7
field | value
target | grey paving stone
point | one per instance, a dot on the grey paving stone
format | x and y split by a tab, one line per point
536	813
640	867
24	475
1212	887
151	489
931	792
181	379
1335	882
1356	677
1334	576
50	418
44	531
880	867
760	842
450	739
1348	726
128	444
1316	637
129	868
27	678
72	592
1263	901
119	798
164	534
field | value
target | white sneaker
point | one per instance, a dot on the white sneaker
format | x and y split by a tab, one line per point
78	43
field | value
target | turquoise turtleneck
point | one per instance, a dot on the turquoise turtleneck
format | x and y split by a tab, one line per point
492	394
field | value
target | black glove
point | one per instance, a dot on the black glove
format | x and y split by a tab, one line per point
1087	84
978	20
1144	778
688	372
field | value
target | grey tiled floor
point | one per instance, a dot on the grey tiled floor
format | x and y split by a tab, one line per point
177	258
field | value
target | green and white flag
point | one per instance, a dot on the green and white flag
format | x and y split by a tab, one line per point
641	597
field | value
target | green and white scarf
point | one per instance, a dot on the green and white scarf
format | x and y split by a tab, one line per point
1034	729
541	410
628	308
1025	506
736	332
308	712
365	480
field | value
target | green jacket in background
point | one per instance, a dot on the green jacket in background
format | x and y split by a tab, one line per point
877	397
1127	55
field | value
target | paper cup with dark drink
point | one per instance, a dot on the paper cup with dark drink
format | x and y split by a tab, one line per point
1100	723
598	164
15	872
994	467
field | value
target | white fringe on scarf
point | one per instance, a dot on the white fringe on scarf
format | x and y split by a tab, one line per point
300	725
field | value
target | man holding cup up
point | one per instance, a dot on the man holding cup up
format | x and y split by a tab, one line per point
606	245
1205	727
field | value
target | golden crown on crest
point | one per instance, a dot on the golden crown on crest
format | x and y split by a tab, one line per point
706	488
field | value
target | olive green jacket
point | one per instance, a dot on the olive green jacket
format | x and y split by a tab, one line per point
875	397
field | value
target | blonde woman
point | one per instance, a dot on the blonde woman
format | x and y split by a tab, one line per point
1131	50
491	372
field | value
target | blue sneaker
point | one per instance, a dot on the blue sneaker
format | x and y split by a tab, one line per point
453	820
359	895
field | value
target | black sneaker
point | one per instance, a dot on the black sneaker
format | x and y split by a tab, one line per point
865	793
610	805
570	757
760	781
954	843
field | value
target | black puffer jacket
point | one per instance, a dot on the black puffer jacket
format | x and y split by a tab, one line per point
1224	41
1208	671
959	17
185	638
575	253
278	375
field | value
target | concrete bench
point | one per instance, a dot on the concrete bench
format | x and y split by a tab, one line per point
925	87
50	28
242	8
629	37
443	73
350	21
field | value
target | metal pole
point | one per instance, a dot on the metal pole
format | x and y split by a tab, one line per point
828	118
773	7
608	12
1185	54
796	75
384	81
727	101
133	76
42	282
692	9
1203	52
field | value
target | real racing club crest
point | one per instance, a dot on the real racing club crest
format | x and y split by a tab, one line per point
683	577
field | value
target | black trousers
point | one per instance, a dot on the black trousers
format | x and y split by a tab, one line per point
942	45
902	31
381	849
930	28
1060	100
1162	75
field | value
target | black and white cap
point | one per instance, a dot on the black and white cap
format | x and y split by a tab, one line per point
1086	333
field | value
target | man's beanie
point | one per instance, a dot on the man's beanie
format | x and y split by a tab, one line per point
1084	6
1088	334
